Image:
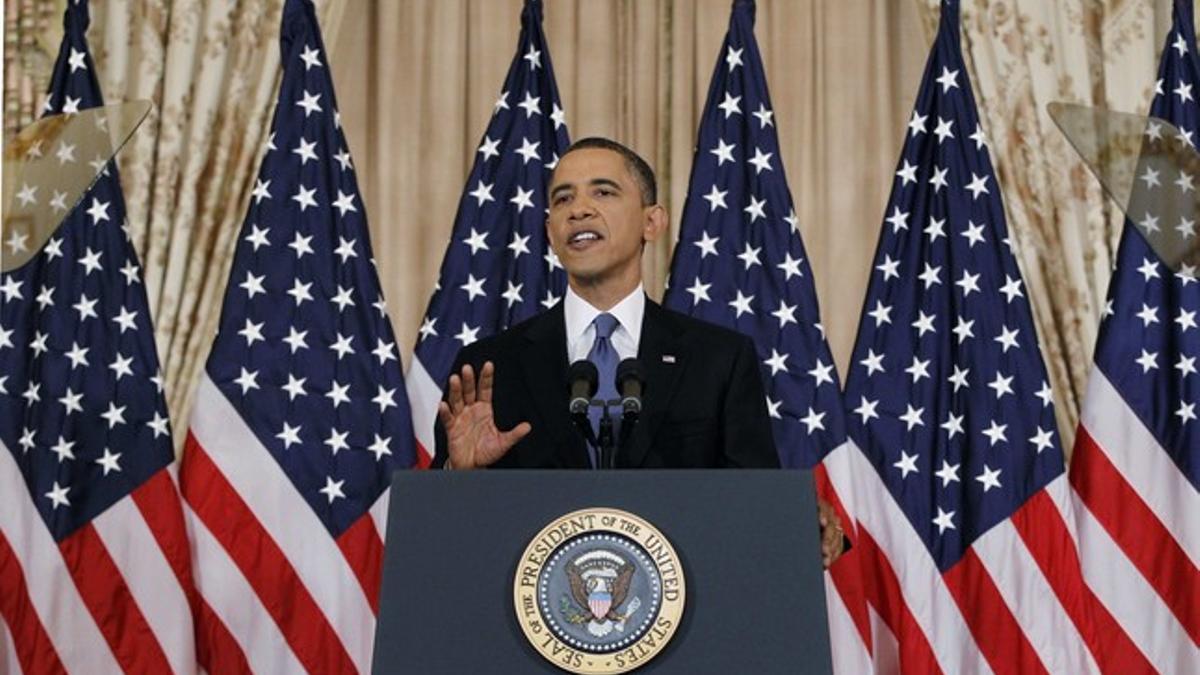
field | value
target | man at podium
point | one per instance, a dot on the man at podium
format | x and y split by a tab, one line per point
702	398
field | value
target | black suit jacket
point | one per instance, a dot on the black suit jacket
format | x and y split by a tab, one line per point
703	405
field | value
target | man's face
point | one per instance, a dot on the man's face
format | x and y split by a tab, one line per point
597	222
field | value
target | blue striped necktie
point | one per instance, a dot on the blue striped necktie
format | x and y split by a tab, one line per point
605	357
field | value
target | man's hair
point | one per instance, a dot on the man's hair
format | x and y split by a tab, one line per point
638	167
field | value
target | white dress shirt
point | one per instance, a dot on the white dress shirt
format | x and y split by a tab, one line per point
581	333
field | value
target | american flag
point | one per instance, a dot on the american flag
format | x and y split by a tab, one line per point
301	415
498	269
94	570
740	263
1136	466
957	476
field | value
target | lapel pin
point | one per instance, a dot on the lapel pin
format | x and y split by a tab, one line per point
668	358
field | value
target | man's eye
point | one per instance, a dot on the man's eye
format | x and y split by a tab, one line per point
561	199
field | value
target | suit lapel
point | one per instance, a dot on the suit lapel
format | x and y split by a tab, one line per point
660	352
544	360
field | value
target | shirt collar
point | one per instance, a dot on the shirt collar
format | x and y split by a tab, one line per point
579	314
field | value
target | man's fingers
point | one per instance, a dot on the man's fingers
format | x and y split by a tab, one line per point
468	384
487	376
444	414
456	396
512	436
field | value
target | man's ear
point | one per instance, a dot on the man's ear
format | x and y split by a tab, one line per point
655	223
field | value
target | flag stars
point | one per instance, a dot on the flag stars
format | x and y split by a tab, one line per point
756	209
1150	178
938	180
1007	338
109	461
1186	320
247	380
256	238
944	130
384	398
32	393
916	125
523	199
786	314
71	402
530	104
1185	412
912	417
866	409
918	369
158	425
341	346
924	323
1042	440
931	275
977	186
482	193
77	60
1148	315
761	161
733	57
764	116
890	268
1001	385
534	57
71	105
467	334
948	79
77	355
699	292
333	489
953	425
289	435
822	372
731	105
813	420
262	190
708	245
337	441
749	256
873	362
91	262
126	320
380	446
473	288
306	150
1148	361
345	249
310	57
121	366
962	329
716	199
790	267
58	496
1186	365
27	195
528	151
65	153
907	464
881	314
959	378
295	387
512	294
252	332
741	304
384	351
968	283
310	103
989	478
559	117
776	363
300	292
1184	92
253	285
948	473
301	245
64	449
944	519
907	174
996	433
305	197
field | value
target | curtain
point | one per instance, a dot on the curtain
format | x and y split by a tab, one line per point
211	68
416	80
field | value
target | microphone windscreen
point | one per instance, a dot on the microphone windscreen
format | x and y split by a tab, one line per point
581	373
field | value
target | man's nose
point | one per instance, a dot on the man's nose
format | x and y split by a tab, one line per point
582	208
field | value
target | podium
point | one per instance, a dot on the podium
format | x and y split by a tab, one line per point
460	546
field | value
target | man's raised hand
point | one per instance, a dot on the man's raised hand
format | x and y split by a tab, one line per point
472	438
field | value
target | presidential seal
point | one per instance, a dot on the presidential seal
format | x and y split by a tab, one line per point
599	591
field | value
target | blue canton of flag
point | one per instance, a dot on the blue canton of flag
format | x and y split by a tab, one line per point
498	269
1146	346
305	352
947	394
740	262
81	402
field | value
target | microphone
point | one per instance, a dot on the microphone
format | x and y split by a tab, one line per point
631	382
582	381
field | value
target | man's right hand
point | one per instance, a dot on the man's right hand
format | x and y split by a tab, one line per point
471	435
